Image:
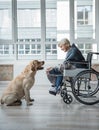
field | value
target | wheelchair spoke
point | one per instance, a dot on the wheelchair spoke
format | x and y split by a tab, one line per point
86	87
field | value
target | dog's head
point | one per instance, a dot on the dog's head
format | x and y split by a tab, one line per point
37	65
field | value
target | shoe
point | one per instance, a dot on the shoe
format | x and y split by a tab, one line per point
53	91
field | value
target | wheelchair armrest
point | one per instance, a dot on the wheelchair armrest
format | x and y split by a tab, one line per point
85	64
94	53
77	62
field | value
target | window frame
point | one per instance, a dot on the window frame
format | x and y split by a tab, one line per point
43	42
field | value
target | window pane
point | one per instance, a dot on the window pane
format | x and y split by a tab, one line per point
63	22
29	21
6	52
87	47
29	51
84	19
57	25
57	22
5	20
51	51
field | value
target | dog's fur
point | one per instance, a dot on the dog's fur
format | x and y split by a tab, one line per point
21	85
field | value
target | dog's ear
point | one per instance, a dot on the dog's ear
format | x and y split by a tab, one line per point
34	65
33	68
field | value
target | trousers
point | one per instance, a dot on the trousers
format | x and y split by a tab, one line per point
55	76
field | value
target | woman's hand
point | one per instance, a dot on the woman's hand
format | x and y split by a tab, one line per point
48	69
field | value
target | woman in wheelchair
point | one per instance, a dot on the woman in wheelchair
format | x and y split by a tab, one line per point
55	74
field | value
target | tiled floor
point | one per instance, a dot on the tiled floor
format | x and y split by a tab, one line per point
48	113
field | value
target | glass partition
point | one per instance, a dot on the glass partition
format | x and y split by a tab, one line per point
29	21
84	19
5	19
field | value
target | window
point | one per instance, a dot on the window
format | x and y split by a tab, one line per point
29	28
83	15
57	26
26	33
28	21
6	51
85	19
5	20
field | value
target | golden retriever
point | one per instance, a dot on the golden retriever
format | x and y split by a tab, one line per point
21	85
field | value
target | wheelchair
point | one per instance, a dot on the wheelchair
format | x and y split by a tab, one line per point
82	82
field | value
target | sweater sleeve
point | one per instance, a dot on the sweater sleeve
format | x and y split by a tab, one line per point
71	56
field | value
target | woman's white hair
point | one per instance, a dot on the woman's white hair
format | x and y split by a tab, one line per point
64	41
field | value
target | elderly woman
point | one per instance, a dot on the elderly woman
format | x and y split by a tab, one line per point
55	74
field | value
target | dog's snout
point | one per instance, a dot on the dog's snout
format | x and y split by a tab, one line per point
43	62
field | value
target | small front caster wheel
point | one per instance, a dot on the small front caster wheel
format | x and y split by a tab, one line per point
67	99
63	92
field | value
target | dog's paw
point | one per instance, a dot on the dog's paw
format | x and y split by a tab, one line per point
29	104
16	103
31	100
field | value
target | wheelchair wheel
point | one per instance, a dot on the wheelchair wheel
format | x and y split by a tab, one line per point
85	87
63	92
67	99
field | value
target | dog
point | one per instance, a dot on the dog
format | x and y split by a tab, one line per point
20	87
